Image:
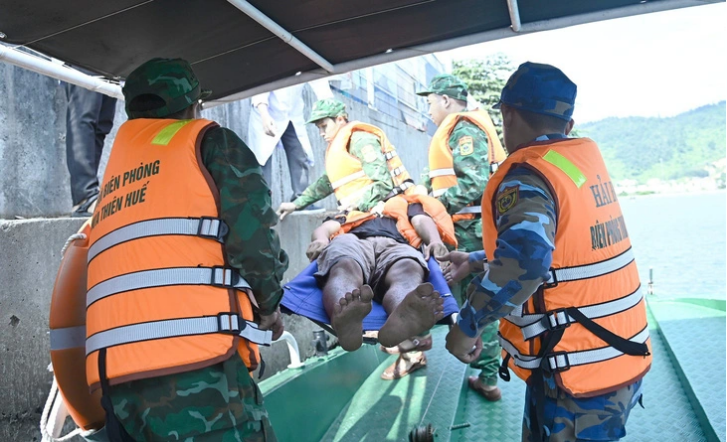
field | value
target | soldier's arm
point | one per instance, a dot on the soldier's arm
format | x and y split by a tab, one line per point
252	245
315	192
425	180
525	243
367	148
471	165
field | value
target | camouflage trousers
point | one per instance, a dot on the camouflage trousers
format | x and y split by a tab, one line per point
569	419
469	237
217	403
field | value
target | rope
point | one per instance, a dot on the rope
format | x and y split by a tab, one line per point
70	239
47	407
431	399
52	397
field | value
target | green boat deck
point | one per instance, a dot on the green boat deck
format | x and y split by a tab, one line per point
340	397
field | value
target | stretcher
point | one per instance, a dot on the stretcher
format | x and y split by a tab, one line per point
302	296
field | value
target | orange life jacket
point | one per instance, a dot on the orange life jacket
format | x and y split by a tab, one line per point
589	318
345	171
397	208
161	299
68	335
441	162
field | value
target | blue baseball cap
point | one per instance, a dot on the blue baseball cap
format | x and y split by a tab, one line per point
540	88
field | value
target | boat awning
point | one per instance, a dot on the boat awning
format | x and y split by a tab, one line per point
239	48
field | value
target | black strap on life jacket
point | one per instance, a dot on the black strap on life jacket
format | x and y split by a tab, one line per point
537	383
548	343
114	430
503	370
262	368
398	190
623	345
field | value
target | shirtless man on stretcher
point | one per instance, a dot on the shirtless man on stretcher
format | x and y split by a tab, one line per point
373	256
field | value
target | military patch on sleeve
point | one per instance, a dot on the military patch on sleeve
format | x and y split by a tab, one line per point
466	145
369	153
507	199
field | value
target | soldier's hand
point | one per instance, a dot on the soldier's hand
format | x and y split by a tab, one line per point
274	322
315	248
347	207
463	347
420	190
285	209
278	328
436	249
458	268
268	124
378	208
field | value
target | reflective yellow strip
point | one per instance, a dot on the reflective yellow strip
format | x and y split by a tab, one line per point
564	164
349	200
439	192
441	172
347	179
165	135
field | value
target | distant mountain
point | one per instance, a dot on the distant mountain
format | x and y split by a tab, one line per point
667	148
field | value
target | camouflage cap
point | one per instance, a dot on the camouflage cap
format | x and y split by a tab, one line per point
540	88
171	80
448	85
328	108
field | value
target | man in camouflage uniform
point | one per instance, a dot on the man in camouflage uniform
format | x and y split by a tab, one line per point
446	95
329	116
220	402
526	238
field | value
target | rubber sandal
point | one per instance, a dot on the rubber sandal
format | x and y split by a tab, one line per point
392	371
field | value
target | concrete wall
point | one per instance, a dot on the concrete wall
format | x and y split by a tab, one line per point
34	178
29	257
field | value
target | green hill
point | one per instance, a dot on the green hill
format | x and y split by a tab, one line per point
668	148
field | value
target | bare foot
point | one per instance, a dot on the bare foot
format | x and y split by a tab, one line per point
418	312
348	316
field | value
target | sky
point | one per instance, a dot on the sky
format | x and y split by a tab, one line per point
659	64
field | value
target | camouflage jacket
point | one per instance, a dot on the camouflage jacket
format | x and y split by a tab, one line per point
526	240
367	148
472	167
245	205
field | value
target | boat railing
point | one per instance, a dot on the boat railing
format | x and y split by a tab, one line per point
293	350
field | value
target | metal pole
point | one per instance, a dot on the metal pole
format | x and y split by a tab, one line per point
293	351
514	15
284	35
58	71
650	287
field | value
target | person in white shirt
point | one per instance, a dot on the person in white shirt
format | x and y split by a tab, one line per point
277	119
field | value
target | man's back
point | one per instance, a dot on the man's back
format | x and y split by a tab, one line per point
203	225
